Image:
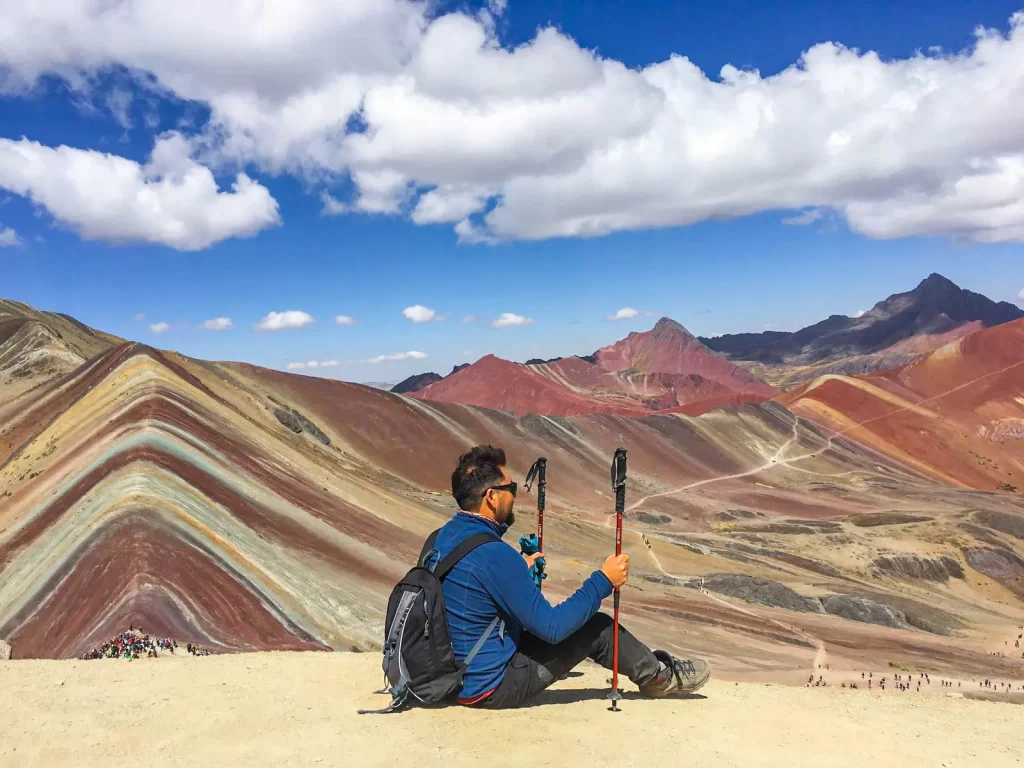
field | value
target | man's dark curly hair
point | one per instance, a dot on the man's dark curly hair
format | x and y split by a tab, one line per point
478	470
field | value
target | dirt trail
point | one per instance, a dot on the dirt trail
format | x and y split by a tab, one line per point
776	460
779	459
285	709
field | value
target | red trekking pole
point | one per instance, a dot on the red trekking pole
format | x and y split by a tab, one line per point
619	486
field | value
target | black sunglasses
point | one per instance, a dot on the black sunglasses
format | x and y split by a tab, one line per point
512	488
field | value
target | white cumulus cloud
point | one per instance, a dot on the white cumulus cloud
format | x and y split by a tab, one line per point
860	313
8	237
278	321
344	320
332	206
983	202
623	314
509	319
448	204
158	328
436	117
171	200
419	314
313	364
412	355
140	316
218	324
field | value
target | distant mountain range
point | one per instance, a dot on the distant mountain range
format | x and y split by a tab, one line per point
664	369
415	383
667	368
891	333
419	381
387	386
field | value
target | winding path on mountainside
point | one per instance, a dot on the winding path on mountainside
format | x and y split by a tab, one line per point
775	461
779	460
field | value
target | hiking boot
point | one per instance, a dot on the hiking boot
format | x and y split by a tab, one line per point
678	677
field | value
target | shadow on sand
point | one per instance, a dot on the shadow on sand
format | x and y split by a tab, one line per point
572	696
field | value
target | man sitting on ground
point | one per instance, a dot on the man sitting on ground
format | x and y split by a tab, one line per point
535	643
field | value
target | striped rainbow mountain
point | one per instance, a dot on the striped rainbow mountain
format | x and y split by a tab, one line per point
243	508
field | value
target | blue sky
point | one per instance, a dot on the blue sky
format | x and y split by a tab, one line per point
725	273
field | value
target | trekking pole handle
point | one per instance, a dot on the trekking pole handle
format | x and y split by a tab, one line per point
618	474
539	472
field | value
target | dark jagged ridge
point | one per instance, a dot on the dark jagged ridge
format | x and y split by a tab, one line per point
935	306
415	383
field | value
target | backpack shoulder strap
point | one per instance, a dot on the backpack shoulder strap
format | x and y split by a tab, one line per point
427	546
480	643
466	546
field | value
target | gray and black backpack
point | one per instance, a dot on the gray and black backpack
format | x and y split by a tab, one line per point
419	664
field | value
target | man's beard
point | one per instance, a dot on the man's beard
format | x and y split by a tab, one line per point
508	518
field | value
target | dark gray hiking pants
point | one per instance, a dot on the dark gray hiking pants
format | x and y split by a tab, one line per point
537	664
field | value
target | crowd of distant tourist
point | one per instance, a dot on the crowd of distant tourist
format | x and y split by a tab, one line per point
134	643
907	683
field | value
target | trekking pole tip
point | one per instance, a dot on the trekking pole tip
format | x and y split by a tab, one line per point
615	697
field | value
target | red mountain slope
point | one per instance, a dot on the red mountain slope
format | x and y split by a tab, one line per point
665	369
670	348
502	385
956	414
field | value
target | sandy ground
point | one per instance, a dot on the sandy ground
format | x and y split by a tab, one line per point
299	709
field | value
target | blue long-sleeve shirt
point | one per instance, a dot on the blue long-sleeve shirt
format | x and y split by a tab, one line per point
493	580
